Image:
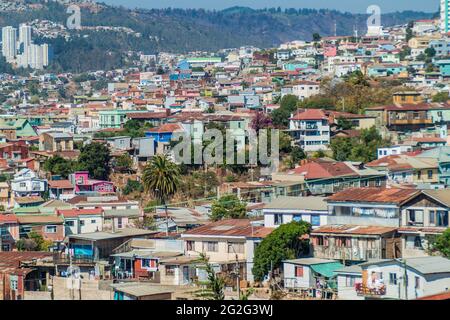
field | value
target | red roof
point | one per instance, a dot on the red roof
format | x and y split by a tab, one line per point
167	127
8	218
71	213
321	170
438	296
60	184
310	114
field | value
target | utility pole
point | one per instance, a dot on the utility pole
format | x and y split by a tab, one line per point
405	279
238	277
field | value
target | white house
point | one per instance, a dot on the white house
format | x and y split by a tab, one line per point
404	279
79	221
310	129
347	280
286	209
26	183
305	89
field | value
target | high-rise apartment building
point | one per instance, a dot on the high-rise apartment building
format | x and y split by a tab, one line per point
9	43
445	16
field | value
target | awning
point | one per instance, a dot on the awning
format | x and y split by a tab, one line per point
327	269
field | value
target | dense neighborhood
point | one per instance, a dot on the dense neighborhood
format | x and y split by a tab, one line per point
94	204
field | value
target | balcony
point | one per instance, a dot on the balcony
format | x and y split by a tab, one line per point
410	121
345	253
364	291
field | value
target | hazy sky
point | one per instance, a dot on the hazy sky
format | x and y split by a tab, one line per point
342	5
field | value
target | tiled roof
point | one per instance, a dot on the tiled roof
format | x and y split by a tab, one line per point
8	218
79	212
310	114
323	169
167	127
60	184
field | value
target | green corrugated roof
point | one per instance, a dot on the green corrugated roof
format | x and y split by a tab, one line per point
327	269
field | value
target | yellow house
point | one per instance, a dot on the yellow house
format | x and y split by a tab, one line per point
407	97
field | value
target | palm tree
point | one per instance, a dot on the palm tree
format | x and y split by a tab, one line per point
161	178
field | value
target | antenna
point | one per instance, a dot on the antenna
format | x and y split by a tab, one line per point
335	28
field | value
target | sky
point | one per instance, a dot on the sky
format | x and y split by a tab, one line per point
356	6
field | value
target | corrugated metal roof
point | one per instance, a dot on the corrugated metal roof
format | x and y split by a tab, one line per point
352	230
380	195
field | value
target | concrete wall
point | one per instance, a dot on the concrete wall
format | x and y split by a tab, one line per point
88	290
37	295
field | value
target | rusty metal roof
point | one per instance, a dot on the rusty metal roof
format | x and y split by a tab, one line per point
226	228
382	195
346	229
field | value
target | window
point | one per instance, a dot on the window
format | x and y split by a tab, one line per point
235	247
432	217
416	282
419	175
190	245
299	271
82	223
315	220
14	284
415	217
70	223
430	174
148	263
170	270
93	221
297	217
119	223
22	184
442	218
50	229
392	278
418	243
211	246
278	219
349	281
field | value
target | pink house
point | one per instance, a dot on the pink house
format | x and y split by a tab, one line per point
84	184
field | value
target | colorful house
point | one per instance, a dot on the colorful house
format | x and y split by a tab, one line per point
83	184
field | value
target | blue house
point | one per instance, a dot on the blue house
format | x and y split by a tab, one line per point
183	65
163	134
444	67
384	70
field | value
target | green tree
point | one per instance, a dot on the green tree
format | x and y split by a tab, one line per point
344	124
280	116
285	242
132	186
124	161
430	52
161	178
297	154
213	287
95	158
228	206
57	165
442	244
441	97
316	37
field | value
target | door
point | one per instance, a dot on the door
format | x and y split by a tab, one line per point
185	274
